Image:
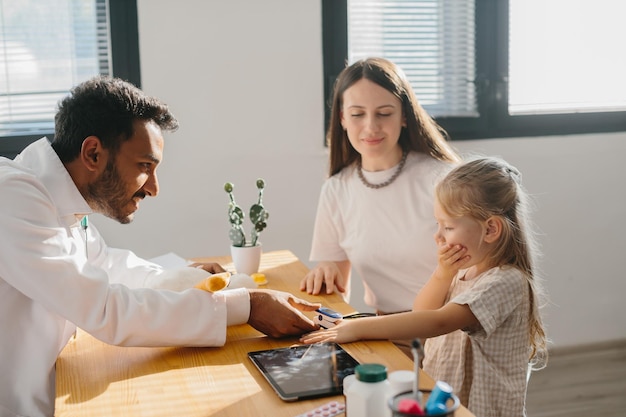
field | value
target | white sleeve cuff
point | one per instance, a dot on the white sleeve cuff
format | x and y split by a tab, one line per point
237	306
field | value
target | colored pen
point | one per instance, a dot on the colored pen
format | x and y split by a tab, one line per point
84	223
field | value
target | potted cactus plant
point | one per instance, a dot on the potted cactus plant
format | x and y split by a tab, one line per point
246	253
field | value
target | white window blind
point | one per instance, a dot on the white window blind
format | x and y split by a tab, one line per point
45	49
431	40
567	56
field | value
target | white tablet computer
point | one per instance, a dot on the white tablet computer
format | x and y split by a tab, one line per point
307	371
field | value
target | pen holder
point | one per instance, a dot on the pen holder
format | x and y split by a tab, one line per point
452	404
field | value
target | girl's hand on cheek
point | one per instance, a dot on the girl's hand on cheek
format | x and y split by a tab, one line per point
452	257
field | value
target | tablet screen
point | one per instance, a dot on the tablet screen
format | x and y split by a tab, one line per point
307	371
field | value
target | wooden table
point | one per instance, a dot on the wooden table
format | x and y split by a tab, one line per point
96	379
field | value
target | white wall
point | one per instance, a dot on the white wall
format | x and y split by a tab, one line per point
244	78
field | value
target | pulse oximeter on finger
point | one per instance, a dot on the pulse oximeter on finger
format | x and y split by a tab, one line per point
326	317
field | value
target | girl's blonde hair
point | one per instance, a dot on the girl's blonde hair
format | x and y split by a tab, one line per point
491	187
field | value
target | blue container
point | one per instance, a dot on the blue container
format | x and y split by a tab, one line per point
438	398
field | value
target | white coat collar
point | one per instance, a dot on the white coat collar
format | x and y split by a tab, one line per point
40	158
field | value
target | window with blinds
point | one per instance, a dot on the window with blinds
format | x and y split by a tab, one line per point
45	49
431	40
493	69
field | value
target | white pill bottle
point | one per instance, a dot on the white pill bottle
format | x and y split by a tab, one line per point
367	393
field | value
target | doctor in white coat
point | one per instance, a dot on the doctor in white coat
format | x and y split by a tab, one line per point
56	275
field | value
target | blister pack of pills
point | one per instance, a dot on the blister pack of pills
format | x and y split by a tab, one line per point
330	409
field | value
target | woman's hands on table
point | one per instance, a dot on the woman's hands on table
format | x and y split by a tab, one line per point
279	314
332	275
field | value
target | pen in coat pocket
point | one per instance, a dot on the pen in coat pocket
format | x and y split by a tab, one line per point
84	223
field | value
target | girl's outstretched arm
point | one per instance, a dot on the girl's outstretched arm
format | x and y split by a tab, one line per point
421	324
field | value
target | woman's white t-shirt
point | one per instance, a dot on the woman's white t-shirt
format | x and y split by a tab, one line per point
386	233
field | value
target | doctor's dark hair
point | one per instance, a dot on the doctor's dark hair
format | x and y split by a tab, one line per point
421	134
105	107
484	188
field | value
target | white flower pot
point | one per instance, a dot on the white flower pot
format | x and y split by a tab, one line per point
246	259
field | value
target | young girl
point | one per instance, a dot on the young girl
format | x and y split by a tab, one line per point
479	310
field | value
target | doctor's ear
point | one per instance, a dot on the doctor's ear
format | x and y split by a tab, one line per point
493	229
91	153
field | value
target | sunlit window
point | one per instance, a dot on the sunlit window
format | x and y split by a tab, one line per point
567	56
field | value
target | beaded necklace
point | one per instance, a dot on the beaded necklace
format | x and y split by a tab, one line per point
382	184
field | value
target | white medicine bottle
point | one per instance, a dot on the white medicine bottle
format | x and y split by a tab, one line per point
366	395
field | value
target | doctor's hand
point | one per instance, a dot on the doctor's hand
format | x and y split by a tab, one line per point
212	267
326	274
279	314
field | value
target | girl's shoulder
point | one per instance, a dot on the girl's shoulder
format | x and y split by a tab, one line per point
494	288
506	276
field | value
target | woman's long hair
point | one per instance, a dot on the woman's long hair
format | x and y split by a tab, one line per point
421	134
